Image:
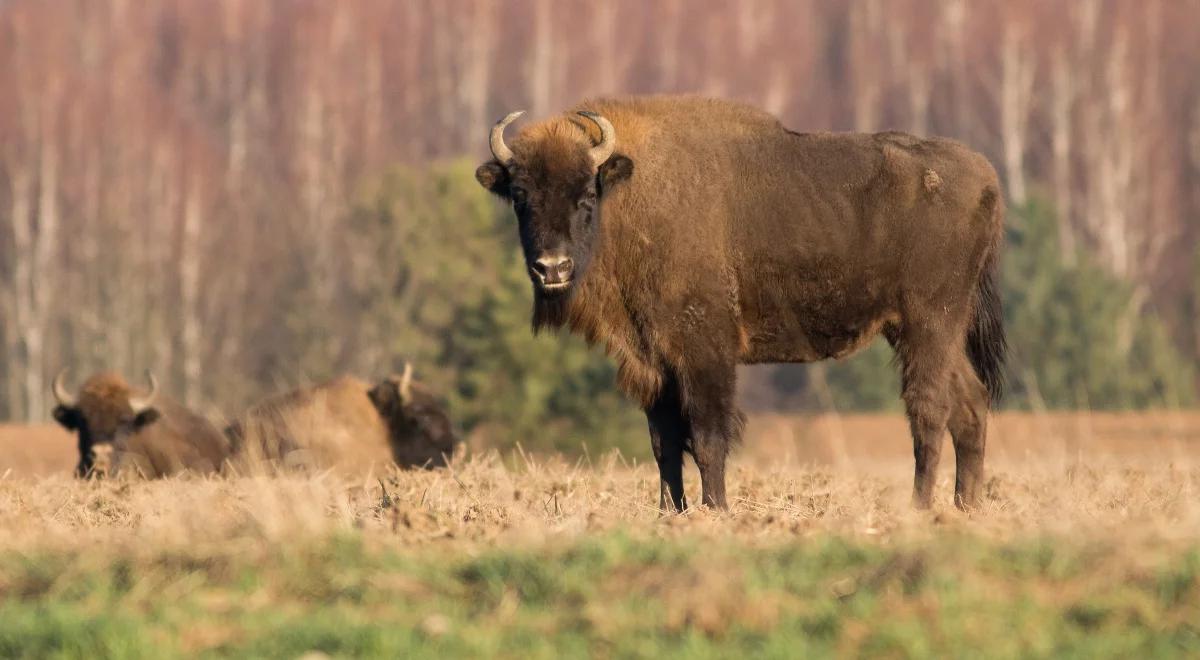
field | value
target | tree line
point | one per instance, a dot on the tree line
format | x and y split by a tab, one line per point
250	194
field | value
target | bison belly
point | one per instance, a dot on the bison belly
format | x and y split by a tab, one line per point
806	320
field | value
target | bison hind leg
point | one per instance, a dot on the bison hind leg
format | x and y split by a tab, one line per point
942	391
968	428
925	383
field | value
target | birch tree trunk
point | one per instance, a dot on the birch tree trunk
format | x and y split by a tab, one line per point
473	86
605	46
1061	124
864	40
1116	163
44	273
541	58
952	27
19	217
1016	87
190	249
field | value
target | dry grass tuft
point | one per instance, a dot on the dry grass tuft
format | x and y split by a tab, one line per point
820	551
487	500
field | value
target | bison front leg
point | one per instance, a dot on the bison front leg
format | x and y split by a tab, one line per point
716	425
710	451
669	432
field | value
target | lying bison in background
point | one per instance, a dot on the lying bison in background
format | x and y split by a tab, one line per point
690	235
328	425
346	423
135	431
419	429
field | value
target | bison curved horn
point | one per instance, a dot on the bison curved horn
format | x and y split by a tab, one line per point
406	383
608	138
502	153
141	403
61	394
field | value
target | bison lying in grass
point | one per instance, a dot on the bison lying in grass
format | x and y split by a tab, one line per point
689	235
123	430
346	423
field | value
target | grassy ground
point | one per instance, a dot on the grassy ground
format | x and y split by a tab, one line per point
523	557
611	594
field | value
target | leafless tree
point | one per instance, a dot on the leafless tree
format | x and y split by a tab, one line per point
170	171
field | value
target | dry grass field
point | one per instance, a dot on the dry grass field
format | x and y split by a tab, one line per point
1088	545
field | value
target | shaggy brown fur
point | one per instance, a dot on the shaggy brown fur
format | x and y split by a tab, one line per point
340	424
163	440
720	237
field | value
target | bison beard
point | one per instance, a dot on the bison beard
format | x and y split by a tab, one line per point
703	234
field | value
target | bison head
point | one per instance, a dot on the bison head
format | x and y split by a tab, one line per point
419	429
555	181
105	411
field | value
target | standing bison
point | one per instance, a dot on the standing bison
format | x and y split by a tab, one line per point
346	423
136	431
689	235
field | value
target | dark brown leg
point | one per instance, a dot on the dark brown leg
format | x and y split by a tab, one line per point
669	431
926	401
716	425
968	428
927	453
710	452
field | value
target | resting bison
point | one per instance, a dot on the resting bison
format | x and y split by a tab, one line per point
347	423
689	235
419	429
142	432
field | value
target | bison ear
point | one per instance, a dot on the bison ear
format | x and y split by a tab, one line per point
494	177
384	396
146	417
68	417
615	170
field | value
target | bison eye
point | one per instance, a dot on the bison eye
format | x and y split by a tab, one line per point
519	196
587	200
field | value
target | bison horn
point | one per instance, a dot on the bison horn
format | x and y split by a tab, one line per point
608	143
61	394
141	403
502	153
406	383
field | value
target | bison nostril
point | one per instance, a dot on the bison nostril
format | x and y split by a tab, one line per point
553	270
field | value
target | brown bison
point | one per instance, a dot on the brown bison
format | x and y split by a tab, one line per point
347	423
419	429
690	235
141	432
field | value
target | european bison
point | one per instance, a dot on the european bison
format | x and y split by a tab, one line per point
136	431
419	429
689	235
347	423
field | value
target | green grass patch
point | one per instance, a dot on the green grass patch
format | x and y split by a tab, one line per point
611	595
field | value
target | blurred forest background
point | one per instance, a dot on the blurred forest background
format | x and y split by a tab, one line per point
250	194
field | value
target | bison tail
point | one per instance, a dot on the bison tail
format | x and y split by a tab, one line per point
986	343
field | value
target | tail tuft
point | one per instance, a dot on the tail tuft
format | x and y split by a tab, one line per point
986	343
